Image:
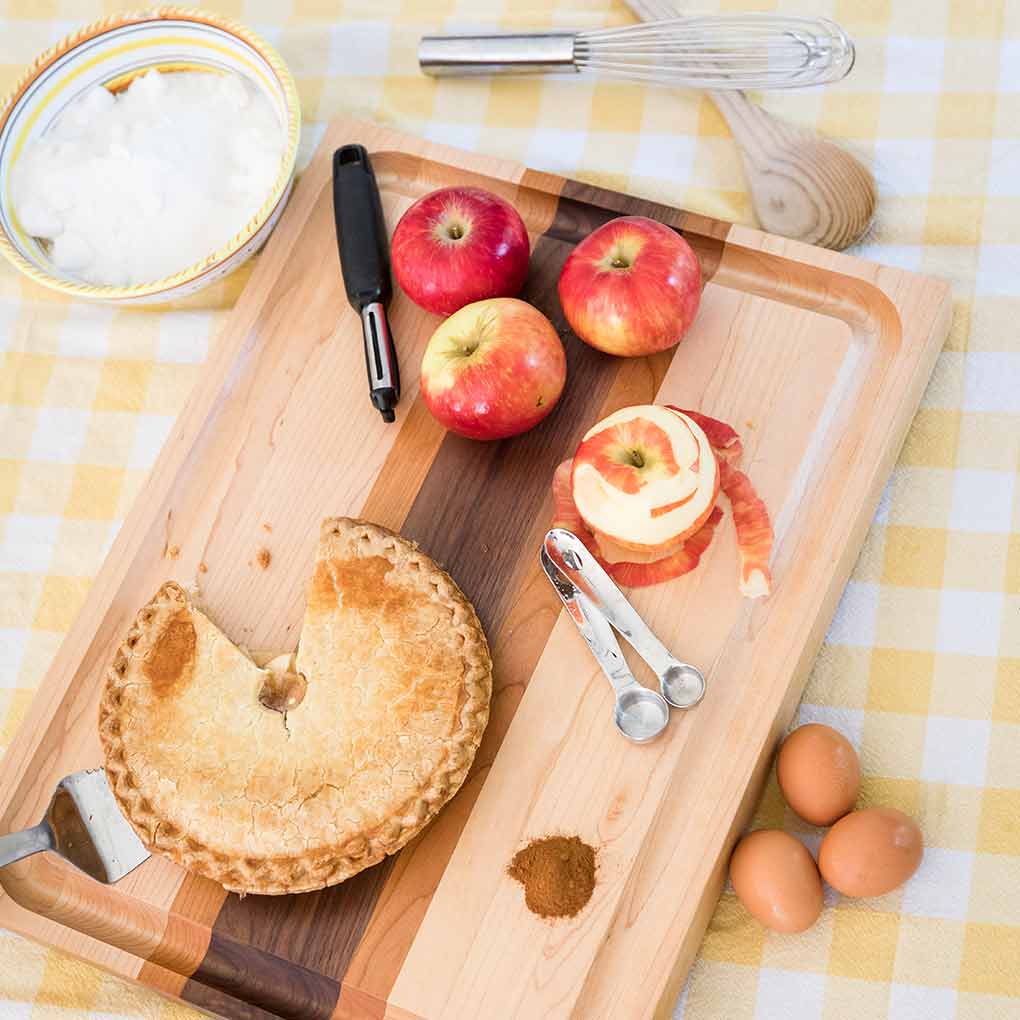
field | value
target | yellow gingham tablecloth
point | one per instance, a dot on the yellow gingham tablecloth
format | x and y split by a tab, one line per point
921	668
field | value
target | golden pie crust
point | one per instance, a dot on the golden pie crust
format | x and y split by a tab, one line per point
398	681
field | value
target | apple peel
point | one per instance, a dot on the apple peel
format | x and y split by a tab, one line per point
725	440
683	561
750	519
754	531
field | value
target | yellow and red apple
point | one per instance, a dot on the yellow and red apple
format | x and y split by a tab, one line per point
631	288
644	480
458	245
493	369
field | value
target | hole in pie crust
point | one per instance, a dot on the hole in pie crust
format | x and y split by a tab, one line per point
283	692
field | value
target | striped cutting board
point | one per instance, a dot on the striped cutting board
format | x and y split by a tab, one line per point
818	359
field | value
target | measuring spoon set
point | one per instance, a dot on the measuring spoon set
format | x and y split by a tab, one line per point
598	607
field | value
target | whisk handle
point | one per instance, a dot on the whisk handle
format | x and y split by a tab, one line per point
524	53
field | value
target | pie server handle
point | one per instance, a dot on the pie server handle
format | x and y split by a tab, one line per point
96	845
16	846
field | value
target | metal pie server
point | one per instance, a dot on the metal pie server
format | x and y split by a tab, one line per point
682	684
640	714
84	825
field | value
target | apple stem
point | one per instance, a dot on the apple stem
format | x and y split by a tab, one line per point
636	459
619	262
455	232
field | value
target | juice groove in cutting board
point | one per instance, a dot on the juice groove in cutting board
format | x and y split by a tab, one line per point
818	360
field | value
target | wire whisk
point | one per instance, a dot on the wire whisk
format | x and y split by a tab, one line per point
739	51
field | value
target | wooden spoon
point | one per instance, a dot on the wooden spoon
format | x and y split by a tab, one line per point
801	185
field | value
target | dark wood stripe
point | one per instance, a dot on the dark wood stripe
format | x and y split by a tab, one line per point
282	989
523	627
220	1004
584	208
479	502
320	929
481	512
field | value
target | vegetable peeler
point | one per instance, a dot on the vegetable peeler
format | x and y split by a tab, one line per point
365	264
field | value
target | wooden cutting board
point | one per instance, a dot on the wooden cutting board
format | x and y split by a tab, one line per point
817	358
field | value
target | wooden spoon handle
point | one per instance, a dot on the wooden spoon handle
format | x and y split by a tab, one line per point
755	130
801	185
653	10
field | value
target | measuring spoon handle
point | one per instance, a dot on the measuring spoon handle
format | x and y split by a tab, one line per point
593	627
566	548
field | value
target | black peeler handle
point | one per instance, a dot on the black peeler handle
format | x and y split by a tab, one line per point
365	263
360	229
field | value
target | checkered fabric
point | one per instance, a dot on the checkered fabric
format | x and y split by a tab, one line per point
921	668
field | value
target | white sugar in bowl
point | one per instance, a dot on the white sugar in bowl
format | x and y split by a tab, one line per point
112	53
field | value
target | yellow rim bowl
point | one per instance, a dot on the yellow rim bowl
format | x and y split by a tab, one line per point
111	53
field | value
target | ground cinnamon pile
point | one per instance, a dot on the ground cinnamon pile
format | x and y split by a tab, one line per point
558	875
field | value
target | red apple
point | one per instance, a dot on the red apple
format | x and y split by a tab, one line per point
632	287
459	245
644	480
493	369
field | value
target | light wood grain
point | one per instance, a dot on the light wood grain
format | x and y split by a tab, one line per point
653	935
817	358
802	186
830	385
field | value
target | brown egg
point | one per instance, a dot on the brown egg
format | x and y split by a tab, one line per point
870	852
818	773
776	879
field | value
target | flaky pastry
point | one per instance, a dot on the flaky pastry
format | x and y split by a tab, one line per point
271	782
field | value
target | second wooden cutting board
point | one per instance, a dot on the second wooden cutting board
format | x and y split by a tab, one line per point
818	359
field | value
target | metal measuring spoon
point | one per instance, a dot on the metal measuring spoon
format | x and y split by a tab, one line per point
639	714
682	684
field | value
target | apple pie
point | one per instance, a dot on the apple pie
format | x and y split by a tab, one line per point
298	775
